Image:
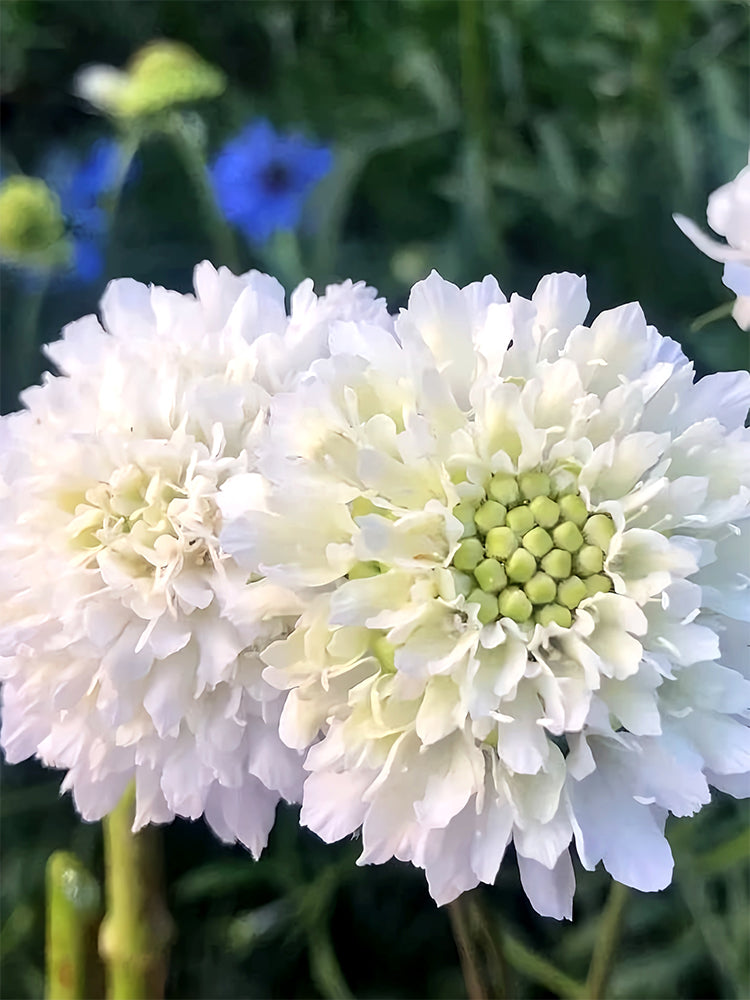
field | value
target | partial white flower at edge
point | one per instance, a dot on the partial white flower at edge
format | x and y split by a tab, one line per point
728	215
523	543
129	639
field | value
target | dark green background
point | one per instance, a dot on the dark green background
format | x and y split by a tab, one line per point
513	137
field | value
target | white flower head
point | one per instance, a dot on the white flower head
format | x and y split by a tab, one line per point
520	538
728	214
129	638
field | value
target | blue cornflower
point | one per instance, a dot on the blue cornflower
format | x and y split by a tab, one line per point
261	178
81	187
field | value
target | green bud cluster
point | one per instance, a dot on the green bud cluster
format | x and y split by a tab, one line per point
530	554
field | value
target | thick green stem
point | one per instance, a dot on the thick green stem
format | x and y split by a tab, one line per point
73	909
605	947
479	950
137	929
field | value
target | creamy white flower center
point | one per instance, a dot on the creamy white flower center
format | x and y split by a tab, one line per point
145	523
530	553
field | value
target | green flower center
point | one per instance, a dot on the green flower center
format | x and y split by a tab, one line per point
530	553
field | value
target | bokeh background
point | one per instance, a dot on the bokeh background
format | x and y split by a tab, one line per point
515	137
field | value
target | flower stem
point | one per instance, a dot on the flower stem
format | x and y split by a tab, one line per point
539	970
605	947
73	904
136	930
479	951
195	168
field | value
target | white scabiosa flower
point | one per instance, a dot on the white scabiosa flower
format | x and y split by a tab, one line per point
522	541
728	215
129	639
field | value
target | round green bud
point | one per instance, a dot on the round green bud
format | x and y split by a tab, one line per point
567	536
537	541
557	564
468	554
500	543
535	484
30	217
490	576
513	603
540	589
571	592
487	605
521	566
546	512
598	530
504	488
589	559
520	519
490	515
598	584
362	570
465	513
572	508
385	653
462	582
553	613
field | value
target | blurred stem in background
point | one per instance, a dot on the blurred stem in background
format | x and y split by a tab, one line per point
26	337
137	928
478	236
479	950
605	949
188	148
73	910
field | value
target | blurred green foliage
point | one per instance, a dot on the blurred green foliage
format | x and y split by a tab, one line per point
512	137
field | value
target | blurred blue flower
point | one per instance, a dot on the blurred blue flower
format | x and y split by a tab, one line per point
261	178
82	186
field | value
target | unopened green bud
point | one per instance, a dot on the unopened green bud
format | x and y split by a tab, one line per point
462	582
589	559
598	584
521	566
487	605
465	514
504	488
535	484
541	589
546	512
571	592
513	603
363	570
572	508
30	218
538	542
468	554
490	576
490	515
385	652
500	542
553	613
599	530
567	536
520	519
558	564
